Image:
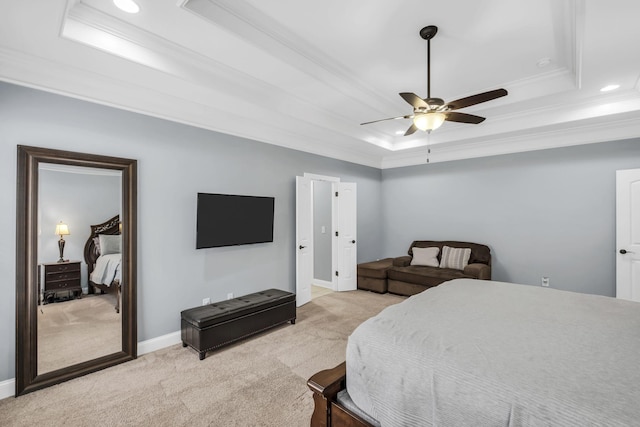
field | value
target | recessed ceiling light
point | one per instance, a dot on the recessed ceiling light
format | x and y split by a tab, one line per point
128	6
609	88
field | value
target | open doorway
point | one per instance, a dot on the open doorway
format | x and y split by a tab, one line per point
322	241
334	231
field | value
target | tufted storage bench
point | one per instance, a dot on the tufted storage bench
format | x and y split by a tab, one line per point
214	325
372	276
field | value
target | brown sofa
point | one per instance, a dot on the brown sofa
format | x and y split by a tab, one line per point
406	279
372	276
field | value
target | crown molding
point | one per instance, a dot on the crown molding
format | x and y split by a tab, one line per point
588	131
50	76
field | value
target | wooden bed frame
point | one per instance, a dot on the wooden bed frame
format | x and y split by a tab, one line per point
327	411
111	226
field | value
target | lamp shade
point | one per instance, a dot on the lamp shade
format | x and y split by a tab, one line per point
429	121
62	229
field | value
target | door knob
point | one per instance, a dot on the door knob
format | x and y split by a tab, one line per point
301	247
353	241
624	251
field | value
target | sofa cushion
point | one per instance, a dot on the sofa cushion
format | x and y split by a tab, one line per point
424	275
375	269
425	256
456	258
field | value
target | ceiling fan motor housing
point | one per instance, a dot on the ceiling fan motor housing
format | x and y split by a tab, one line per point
434	103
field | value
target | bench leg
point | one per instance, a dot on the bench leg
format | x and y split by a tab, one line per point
293	321
184	344
202	354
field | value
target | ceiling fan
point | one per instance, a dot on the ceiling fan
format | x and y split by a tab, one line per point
429	113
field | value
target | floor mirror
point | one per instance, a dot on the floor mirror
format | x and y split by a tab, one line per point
75	265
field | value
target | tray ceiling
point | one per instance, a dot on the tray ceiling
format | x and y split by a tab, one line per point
304	74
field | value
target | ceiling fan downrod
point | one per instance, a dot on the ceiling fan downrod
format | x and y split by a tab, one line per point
427	33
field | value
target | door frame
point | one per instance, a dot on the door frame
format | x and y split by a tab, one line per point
330	179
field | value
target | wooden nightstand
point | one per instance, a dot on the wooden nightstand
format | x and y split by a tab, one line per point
61	276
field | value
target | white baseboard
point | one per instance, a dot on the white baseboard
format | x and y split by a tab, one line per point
159	343
323	284
8	387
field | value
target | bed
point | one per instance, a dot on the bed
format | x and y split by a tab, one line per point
488	353
103	255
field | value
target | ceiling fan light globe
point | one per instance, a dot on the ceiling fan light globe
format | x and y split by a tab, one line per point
429	121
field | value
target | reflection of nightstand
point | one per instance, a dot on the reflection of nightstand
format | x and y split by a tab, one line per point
61	276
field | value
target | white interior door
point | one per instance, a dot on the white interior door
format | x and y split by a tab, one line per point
628	234
345	225
304	242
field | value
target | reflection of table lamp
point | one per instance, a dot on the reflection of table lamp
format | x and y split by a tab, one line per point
61	230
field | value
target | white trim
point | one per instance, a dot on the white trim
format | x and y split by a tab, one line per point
314	177
8	387
158	343
323	284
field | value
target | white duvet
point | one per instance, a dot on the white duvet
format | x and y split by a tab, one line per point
107	269
482	353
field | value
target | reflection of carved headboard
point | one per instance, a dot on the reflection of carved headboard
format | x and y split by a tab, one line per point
111	226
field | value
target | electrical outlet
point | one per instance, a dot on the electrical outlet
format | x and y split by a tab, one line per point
206	301
230	295
545	282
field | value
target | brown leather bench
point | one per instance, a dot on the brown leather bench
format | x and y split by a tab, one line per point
215	325
372	276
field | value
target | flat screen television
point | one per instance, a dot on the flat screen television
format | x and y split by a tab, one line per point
229	220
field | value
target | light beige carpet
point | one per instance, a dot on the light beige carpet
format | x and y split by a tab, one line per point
318	291
260	381
74	331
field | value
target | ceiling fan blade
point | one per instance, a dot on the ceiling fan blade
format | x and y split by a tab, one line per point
411	129
476	99
453	116
390	118
414	100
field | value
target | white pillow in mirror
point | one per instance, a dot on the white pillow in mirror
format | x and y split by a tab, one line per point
425	256
110	243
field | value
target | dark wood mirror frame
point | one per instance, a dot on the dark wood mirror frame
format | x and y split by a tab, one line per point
27	378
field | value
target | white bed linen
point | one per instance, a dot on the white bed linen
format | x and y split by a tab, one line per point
107	269
481	353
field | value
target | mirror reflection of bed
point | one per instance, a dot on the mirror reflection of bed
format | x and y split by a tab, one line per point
78	328
73	330
103	256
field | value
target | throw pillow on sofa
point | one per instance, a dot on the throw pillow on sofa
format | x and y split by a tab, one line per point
456	258
425	256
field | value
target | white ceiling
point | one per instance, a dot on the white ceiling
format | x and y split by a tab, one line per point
304	74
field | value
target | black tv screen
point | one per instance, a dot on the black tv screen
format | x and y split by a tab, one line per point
228	220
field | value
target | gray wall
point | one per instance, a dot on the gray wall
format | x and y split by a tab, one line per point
322	241
174	163
79	200
544	213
